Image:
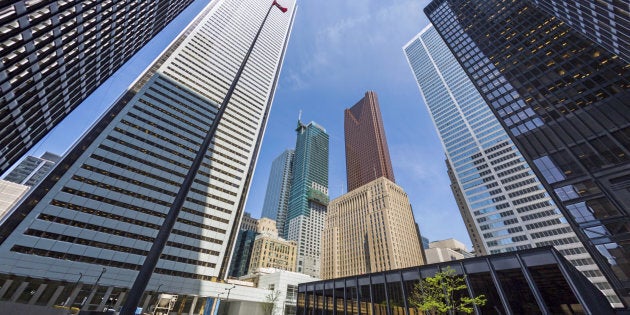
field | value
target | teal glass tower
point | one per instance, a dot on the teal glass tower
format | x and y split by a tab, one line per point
308	198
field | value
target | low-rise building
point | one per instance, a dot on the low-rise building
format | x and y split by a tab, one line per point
446	250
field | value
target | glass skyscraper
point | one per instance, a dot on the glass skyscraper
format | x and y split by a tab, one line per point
308	199
563	98
278	188
102	205
53	54
510	208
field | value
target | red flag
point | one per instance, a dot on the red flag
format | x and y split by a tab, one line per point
283	9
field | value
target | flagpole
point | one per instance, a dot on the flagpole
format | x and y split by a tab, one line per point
144	275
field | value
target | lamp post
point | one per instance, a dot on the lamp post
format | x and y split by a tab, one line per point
144	275
227	298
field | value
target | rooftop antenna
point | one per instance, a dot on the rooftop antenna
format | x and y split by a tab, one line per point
300	115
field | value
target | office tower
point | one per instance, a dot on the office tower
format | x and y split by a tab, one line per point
242	253
603	22
370	229
104	202
446	250
32	169
278	188
271	251
55	53
563	100
510	207
10	194
367	154
308	198
469	221
425	242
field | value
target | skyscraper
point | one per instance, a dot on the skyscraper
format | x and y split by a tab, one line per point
308	198
371	228
563	100
32	169
509	207
367	154
603	22
103	203
278	189
55	53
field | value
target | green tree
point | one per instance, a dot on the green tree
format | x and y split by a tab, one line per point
441	294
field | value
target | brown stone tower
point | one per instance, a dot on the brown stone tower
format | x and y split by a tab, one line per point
367	155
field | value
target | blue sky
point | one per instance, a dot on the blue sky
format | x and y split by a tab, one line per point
338	50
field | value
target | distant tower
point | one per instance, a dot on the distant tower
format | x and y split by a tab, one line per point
371	228
367	155
278	190
309	196
32	169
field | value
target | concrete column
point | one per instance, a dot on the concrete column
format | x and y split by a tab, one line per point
38	293
101	305
55	295
89	298
147	300
73	294
121	297
5	287
192	305
19	291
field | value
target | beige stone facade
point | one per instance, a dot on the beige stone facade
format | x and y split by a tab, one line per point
266	225
370	229
273	252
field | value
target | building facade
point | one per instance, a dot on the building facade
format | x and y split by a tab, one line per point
367	154
278	188
370	229
242	253
308	199
603	22
10	194
446	250
510	207
469	221
98	211
270	251
534	281
54	54
563	99
32	169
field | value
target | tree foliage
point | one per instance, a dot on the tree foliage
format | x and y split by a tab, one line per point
441	294
270	302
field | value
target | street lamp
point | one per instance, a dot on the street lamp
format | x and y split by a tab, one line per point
229	289
142	279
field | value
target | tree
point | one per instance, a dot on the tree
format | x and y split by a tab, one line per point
270	302
441	294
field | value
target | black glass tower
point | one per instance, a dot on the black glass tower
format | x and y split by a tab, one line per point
54	54
565	101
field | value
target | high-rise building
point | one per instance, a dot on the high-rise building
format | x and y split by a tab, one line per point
604	22
370	229
242	253
563	99
103	204
278	189
55	53
271	251
367	154
508	205
308	198
467	216
32	169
